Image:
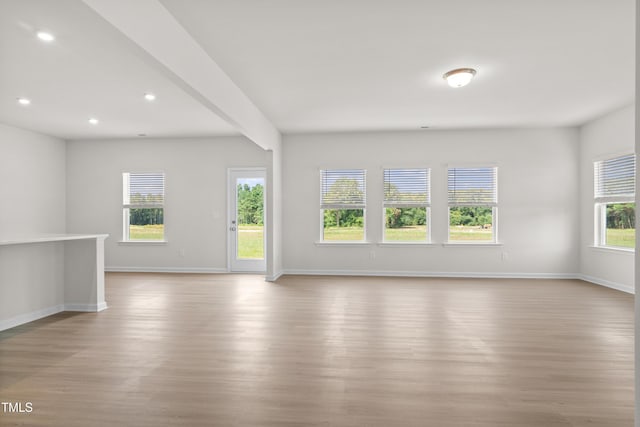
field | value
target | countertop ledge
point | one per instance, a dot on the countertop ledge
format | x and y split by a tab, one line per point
43	238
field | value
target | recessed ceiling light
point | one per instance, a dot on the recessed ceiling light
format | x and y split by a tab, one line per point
24	101
424	127
459	77
142	134
45	37
149	96
93	121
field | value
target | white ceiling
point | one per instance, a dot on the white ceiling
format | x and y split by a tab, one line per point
378	64
331	65
90	70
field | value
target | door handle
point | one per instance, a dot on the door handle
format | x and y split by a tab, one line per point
232	228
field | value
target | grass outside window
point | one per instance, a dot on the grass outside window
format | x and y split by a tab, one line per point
145	224
343	225
250	241
406	224
146	232
471	224
619	225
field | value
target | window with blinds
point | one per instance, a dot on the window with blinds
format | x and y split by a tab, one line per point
406	187
473	204
615	179
614	198
143	206
407	197
343	199
343	189
143	189
473	186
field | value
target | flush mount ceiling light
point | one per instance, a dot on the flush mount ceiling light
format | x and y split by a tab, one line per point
149	96
23	101
459	77
45	37
93	121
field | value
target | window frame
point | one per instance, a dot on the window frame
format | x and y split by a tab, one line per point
126	207
494	204
390	204
338	206
602	200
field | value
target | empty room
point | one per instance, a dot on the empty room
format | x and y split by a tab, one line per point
317	213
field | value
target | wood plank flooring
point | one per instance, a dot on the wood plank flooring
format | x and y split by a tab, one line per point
233	350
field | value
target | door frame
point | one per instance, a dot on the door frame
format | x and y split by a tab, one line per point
232	201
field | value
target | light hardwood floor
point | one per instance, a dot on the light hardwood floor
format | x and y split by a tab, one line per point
233	350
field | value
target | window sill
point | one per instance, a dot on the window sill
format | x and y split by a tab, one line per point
339	243
613	249
143	242
474	244
399	244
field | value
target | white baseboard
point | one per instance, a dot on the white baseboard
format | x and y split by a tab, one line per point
383	273
607	283
462	275
85	307
274	277
30	317
590	279
39	314
165	270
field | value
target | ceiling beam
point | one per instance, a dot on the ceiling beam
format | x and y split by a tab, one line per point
150	26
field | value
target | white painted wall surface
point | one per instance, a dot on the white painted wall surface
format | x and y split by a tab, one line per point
608	136
195	197
32	202
32	173
537	192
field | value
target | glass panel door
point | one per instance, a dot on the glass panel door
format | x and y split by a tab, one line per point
247	220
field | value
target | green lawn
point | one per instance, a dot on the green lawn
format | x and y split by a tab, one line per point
344	233
461	233
625	237
417	233
146	232
250	238
407	234
250	241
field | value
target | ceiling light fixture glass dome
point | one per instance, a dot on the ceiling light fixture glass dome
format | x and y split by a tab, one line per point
459	77
46	37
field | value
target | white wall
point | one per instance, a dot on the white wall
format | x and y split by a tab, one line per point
32	202
608	136
195	205
537	191
32	173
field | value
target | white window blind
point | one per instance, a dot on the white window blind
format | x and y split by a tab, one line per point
343	189
143	190
615	179
473	186
406	188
